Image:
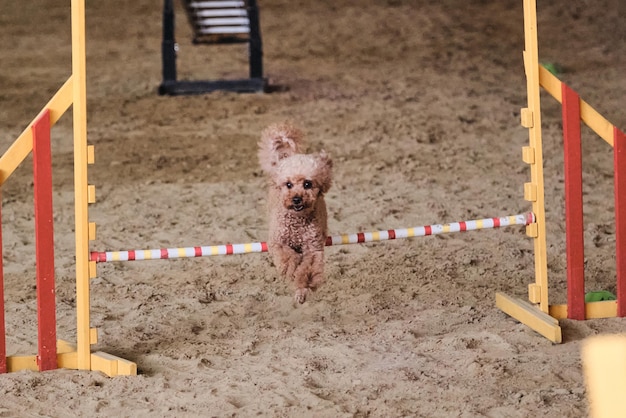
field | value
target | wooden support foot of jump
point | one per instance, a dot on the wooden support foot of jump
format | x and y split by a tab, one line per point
592	310
112	365
67	358
530	316
103	362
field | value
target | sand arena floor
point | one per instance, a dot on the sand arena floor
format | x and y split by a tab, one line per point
419	105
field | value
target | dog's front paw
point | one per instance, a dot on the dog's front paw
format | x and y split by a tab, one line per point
300	295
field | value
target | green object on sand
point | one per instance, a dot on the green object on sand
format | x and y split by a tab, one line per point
599	296
553	67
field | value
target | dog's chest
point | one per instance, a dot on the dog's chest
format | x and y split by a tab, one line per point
298	232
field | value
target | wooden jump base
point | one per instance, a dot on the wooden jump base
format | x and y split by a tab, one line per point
358	238
214	22
539	314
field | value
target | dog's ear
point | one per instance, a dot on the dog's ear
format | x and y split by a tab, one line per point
325	171
277	142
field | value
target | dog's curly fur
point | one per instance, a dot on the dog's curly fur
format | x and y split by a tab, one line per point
297	211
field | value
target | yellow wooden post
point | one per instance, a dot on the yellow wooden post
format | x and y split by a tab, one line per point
84	230
527	313
533	154
79	74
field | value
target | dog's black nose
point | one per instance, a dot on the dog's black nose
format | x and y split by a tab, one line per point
296	200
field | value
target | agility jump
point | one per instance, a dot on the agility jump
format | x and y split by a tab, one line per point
539	314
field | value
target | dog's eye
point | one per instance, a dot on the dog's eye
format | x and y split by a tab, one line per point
289	185
307	184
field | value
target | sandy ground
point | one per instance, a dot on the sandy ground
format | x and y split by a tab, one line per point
418	103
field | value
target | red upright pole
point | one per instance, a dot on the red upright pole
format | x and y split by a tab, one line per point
573	204
3	349
44	243
619	162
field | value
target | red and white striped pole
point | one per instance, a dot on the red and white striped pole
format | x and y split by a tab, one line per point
357	238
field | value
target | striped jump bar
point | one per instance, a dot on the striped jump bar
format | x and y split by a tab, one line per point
185	252
421	231
360	237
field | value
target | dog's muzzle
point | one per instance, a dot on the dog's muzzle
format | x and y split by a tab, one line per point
297	203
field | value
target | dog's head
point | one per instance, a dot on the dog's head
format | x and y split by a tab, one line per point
301	180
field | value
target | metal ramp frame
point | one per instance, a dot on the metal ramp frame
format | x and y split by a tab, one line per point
214	22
